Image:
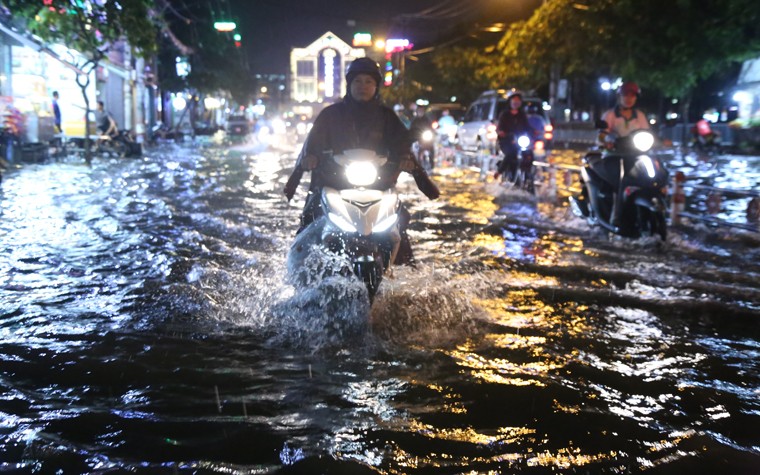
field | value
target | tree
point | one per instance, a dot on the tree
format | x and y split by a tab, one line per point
92	28
668	46
467	69
216	63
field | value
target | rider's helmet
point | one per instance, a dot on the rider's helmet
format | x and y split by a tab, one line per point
628	88
514	93
363	66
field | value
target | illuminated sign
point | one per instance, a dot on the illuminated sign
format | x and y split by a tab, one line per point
393	45
362	39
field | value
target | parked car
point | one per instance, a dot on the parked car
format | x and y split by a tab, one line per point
477	131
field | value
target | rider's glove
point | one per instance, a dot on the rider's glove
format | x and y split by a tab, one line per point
408	164
310	162
292	184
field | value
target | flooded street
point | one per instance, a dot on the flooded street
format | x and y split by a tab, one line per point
148	326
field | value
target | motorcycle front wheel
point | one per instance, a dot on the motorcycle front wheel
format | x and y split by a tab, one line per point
371	273
651	223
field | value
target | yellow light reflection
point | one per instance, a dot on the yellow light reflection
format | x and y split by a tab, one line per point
480	206
567	458
468	434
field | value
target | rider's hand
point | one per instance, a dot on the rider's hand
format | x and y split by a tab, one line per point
292	184
496	175
408	164
290	190
310	162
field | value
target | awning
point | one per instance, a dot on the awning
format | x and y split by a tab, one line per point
36	45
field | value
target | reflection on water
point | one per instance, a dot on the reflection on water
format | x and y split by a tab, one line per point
148	325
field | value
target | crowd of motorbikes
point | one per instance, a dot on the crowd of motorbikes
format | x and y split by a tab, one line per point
624	191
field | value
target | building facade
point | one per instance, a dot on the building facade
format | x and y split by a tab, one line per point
30	71
318	71
747	95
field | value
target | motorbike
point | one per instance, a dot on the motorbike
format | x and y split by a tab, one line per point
424	148
122	144
704	139
522	174
357	222
624	188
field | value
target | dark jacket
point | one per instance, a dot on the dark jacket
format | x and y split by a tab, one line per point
512	125
351	125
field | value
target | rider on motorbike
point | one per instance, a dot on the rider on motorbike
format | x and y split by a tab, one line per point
512	123
359	121
625	117
418	127
621	121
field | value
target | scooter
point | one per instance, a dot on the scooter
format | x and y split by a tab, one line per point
522	173
704	139
357	222
120	145
424	149
624	188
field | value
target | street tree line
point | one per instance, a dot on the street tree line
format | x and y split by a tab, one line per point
669	46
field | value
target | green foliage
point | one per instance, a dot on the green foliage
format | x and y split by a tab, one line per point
668	45
88	26
215	63
467	70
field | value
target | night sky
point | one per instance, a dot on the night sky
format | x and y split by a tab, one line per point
270	28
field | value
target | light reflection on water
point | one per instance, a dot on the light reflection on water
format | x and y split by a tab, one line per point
148	326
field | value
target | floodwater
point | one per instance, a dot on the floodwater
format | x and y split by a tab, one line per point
147	325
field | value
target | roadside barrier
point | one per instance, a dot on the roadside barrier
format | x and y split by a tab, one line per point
678	201
716	201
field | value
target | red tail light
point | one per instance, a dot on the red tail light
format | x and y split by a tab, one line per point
548	132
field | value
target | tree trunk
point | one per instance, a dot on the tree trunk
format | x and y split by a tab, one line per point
83	83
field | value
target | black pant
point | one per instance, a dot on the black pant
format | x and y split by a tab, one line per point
508	165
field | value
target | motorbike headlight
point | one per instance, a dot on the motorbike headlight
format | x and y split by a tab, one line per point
523	141
427	135
342	223
385	224
361	173
643	141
